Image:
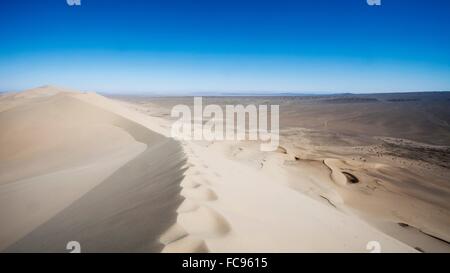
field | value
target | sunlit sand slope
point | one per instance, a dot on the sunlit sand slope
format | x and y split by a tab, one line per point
72	171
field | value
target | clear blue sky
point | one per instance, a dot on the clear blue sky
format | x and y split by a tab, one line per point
226	45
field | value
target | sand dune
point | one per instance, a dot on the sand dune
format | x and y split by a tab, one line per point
73	171
254	212
327	188
82	167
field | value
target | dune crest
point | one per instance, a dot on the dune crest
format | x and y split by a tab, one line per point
105	172
332	189
74	169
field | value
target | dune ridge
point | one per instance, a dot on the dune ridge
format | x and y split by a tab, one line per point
123	185
117	182
318	190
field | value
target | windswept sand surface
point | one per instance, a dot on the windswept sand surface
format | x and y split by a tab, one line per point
332	185
72	170
105	172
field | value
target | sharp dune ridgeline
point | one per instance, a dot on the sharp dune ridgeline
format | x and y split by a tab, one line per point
78	166
75	171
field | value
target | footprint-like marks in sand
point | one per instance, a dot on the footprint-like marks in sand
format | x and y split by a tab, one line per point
196	220
191	184
204	222
187	244
174	233
200	193
197	170
187	206
176	239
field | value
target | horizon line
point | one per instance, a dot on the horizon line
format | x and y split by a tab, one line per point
174	93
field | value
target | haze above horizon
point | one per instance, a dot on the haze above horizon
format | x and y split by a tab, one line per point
173	47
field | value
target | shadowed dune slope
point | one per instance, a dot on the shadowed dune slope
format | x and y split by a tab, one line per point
110	183
126	213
